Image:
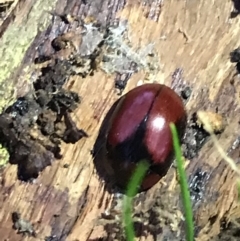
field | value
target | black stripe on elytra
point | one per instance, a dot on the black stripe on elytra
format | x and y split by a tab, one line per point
133	149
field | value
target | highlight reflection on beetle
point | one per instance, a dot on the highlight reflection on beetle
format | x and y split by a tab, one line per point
139	130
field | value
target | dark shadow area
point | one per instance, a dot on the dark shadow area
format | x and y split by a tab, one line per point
229	230
194	138
100	156
236	11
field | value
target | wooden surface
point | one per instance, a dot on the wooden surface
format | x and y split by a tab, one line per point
196	36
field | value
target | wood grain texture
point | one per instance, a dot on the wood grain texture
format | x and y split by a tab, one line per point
69	202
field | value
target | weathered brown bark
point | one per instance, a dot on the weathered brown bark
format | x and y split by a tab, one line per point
194	35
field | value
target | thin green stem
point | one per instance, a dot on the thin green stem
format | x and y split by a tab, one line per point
184	185
132	190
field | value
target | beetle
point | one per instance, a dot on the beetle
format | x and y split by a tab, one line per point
139	130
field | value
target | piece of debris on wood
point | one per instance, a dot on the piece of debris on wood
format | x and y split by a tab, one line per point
22	226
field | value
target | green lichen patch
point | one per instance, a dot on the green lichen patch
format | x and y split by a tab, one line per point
15	42
4	156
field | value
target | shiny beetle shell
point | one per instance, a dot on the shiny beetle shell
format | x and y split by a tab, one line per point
139	130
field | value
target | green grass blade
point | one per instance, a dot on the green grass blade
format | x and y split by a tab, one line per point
184	185
132	190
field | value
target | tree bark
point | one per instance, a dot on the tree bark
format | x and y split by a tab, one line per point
72	203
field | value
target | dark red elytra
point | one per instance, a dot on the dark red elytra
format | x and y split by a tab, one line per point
139	129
